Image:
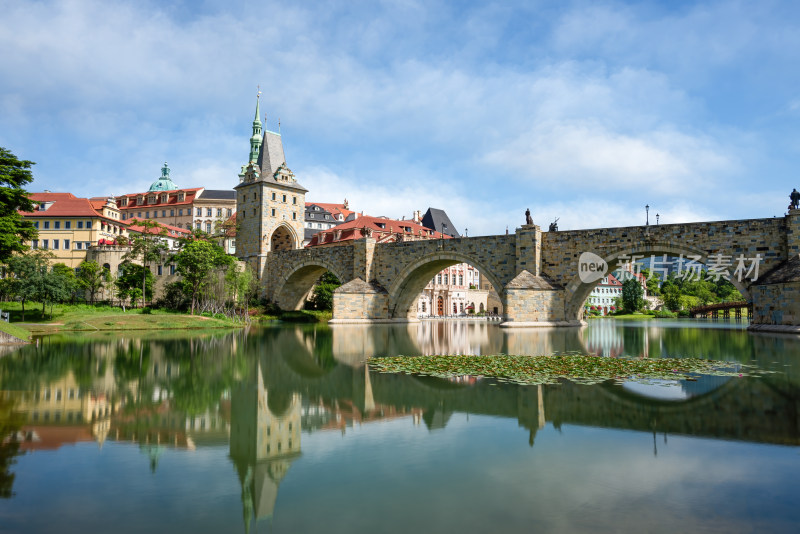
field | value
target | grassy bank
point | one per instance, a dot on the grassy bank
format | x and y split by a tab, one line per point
15	330
80	317
306	316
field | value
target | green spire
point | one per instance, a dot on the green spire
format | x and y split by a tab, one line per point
255	140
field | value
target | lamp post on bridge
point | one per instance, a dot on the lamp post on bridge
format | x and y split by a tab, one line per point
647	212
657	216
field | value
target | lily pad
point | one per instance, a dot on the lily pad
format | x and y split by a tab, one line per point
580	368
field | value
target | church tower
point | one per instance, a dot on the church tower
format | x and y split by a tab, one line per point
270	204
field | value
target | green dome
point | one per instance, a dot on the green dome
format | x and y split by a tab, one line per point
164	183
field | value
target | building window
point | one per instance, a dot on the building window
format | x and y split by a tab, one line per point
45	243
56	225
438	278
67	224
198	212
36	224
273	196
55	244
255	213
78	245
35	243
197	225
445	279
171	269
310	215
294	216
208	227
461	279
163	213
273	212
208	212
147	215
180	212
294	200
172	213
66	244
230	212
47	225
160	270
283	198
219	212
86	244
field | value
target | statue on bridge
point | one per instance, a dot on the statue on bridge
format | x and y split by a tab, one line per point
554	225
528	218
794	196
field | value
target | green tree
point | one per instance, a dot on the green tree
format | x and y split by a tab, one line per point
632	295
671	295
60	285
322	298
196	261
14	229
242	285
147	247
653	282
92	277
29	272
129	283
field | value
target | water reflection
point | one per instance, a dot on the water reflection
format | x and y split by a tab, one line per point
258	393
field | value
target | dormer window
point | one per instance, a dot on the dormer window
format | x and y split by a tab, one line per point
164	199
151	199
181	197
140	201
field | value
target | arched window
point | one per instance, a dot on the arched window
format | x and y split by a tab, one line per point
481	308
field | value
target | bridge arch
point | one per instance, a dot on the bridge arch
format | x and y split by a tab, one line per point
579	290
296	282
413	278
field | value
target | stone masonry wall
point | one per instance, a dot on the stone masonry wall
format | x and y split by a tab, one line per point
776	304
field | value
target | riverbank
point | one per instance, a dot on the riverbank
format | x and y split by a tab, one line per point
83	317
15	333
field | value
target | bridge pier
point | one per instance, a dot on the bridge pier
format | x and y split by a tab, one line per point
776	296
535	301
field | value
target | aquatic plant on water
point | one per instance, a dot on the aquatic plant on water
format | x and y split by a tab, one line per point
580	368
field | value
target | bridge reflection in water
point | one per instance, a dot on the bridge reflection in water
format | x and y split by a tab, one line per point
258	391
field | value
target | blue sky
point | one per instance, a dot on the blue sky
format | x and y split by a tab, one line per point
583	110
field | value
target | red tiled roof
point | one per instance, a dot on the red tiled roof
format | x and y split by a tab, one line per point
173	231
332	208
612	281
64	205
172	199
383	230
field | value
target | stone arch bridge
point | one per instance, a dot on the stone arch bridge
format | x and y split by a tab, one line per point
536	274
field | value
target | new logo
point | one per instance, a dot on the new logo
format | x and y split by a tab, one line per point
591	267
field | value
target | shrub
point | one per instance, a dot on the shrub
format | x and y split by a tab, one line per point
147	310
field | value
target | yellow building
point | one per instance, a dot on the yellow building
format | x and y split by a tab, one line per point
69	225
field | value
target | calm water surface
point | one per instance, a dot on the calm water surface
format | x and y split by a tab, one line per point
285	430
